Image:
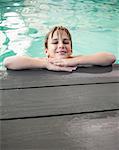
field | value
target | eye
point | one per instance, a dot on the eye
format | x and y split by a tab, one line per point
66	41
54	42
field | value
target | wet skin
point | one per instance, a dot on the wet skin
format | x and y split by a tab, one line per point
59	46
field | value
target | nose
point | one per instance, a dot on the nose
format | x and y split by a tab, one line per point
61	45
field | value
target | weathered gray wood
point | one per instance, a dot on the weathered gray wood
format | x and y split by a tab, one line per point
98	131
59	100
40	78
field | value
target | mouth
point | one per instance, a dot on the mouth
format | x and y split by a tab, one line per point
61	52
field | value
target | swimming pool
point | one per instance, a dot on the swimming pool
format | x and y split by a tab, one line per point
94	25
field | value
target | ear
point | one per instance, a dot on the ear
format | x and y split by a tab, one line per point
71	51
46	51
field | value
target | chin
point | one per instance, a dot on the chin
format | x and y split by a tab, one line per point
61	56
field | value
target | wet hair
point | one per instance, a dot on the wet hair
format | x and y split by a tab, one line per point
57	28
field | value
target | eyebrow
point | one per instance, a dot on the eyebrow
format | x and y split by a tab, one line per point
63	39
54	39
66	39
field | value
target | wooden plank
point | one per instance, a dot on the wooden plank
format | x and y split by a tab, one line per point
98	131
46	101
40	78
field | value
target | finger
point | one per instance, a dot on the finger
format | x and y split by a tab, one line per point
70	69
74	68
58	68
59	64
52	60
61	68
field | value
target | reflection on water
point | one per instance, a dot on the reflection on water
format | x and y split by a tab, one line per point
94	25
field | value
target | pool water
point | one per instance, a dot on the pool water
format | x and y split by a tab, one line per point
94	25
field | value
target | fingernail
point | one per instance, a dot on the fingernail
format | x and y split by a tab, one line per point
74	68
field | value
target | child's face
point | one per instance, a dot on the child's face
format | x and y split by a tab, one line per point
59	46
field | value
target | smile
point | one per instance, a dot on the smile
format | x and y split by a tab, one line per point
62	52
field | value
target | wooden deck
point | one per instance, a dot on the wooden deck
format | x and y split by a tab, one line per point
46	110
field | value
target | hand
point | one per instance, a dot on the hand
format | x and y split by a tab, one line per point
51	66
67	62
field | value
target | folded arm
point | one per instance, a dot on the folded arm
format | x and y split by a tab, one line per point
25	62
102	59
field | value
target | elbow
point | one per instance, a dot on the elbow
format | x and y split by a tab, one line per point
9	63
111	59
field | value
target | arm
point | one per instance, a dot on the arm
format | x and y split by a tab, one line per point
102	59
24	62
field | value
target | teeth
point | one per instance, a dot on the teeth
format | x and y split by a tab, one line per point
61	52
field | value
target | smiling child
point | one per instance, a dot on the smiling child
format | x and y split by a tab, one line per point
58	48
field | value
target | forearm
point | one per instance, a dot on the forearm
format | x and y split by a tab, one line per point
23	62
102	59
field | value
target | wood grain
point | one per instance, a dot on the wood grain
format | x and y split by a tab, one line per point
99	131
46	101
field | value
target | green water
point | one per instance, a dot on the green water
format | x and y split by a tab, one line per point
94	25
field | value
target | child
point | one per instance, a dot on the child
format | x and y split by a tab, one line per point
58	48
